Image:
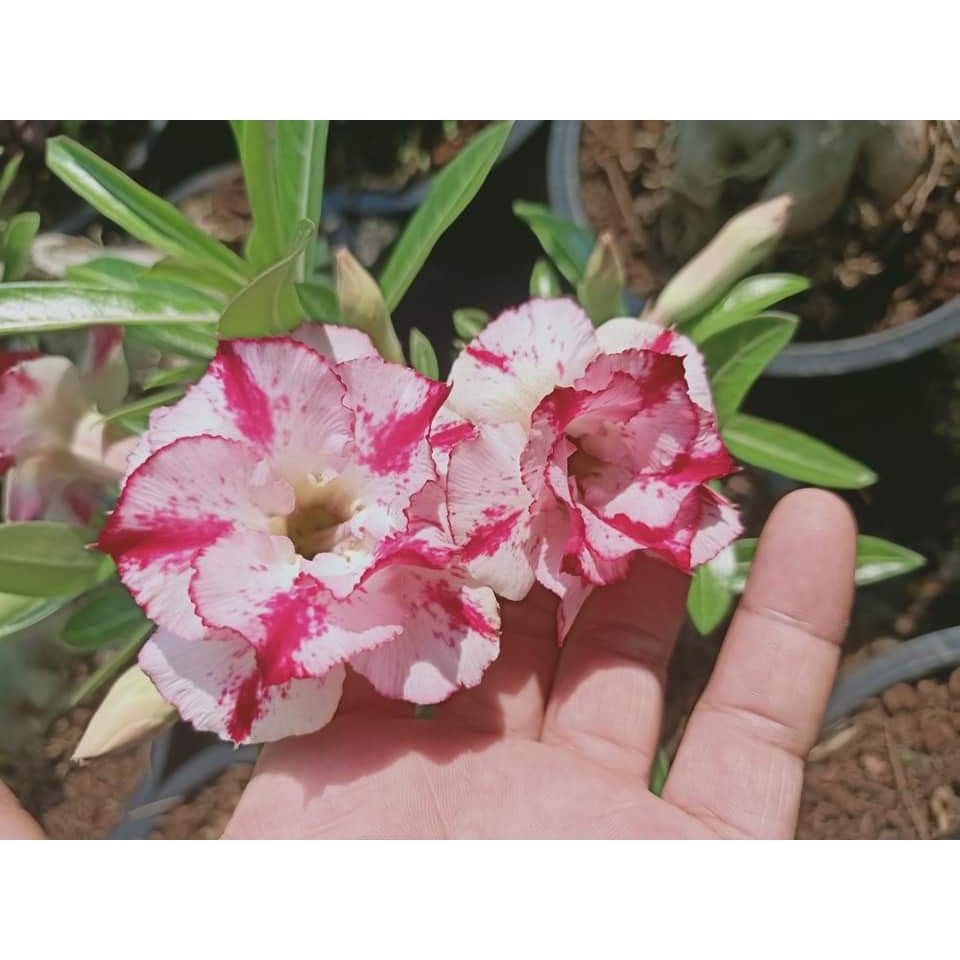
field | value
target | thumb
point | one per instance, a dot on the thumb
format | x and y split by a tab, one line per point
15	822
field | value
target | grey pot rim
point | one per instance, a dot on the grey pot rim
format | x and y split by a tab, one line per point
815	359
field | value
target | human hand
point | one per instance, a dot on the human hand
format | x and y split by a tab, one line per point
560	743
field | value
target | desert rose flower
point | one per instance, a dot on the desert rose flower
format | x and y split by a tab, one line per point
55	450
285	519
592	446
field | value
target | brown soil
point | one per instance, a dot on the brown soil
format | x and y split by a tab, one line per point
205	816
869	269
892	771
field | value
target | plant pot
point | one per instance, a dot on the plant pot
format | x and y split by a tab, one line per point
814	359
886	768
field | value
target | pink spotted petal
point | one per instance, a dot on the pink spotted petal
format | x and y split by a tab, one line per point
52	486
253	585
718	526
41	401
448	431
336	343
182	500
490	509
216	685
627	333
277	396
448	634
503	373
394	408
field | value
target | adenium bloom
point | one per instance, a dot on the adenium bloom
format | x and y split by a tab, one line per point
55	449
593	445
285	519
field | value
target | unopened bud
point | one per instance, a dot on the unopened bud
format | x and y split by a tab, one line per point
131	711
362	306
600	292
746	240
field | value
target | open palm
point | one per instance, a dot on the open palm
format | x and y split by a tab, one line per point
559	743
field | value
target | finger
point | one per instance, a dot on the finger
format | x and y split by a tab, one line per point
511	698
607	697
740	765
15	822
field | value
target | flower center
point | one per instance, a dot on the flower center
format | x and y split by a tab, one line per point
318	523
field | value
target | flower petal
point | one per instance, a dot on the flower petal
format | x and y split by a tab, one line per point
335	342
184	498
503	373
103	369
40	403
448	634
52	486
278	396
216	685
490	509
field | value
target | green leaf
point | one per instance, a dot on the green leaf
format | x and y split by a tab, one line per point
188	373
17	612
749	297
301	156
423	358
320	301
15	246
469	321
146	404
129	643
194	340
43	307
877	560
142	214
268	305
709	599
9	173
793	454
737	356
659	773
257	142
566	244
43	559
106	615
453	188
544	280
197	277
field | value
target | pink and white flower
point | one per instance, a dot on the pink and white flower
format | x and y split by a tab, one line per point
286	519
56	452
592	446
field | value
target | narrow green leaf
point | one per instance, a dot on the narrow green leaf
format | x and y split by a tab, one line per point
566	244
265	245
749	297
469	321
9	174
142	214
43	559
877	560
659	773
320	301
17	612
544	280
129	643
268	305
737	356
709	599
187	373
301	158
195	276
16	242
43	307
454	187
194	340
423	358
793	454
103	617
145	404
